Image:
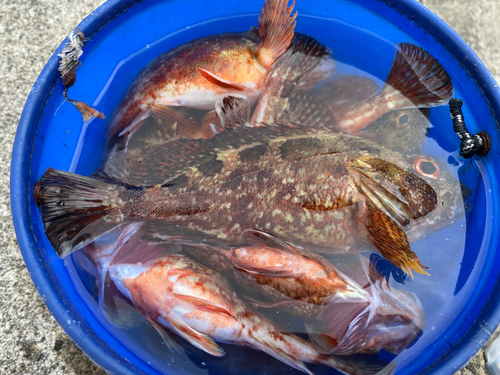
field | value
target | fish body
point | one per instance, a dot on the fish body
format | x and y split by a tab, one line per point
351	103
325	190
274	273
200	72
196	303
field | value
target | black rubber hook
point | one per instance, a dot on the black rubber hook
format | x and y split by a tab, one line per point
477	144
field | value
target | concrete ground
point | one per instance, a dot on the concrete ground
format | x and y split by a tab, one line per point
31	340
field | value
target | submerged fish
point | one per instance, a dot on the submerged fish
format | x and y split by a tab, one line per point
275	273
327	191
391	321
177	294
198	73
350	103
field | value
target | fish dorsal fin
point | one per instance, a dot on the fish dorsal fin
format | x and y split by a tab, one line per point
162	163
198	339
303	56
212	78
232	111
276	27
259	237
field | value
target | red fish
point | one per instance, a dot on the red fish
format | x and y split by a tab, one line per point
199	73
180	295
416	79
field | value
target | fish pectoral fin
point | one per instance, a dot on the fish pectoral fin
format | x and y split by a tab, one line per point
264	271
282	356
176	122
232	111
260	237
166	336
198	339
212	78
276	29
390	239
201	304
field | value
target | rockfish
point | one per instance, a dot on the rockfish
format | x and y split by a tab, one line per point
198	73
350	103
327	191
179	295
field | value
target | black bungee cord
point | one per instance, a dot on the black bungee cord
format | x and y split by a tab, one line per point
477	144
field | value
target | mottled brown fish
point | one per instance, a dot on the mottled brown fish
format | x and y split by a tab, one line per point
177	294
328	191
198	73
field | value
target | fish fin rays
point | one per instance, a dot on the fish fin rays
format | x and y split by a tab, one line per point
390	239
282	356
419	77
232	111
276	30
74	209
198	339
212	78
167	337
201	304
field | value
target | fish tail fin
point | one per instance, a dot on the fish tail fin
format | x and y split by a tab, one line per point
358	365
76	209
418	77
276	27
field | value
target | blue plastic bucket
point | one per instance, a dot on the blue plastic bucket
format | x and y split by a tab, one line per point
125	35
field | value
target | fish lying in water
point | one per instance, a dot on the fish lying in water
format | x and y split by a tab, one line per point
274	274
416	80
328	191
198	73
391	321
177	294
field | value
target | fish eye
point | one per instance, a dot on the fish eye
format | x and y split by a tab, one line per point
403	120
426	166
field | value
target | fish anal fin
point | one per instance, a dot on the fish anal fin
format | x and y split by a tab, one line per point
166	336
276	29
201	304
212	78
196	338
177	123
390	239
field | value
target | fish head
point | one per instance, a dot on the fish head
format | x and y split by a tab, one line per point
392	319
394	322
451	197
402	130
421	197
